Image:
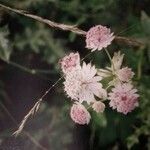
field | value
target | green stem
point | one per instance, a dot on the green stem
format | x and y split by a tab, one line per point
108	55
32	71
110	60
37	72
23	68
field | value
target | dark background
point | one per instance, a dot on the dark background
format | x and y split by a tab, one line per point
33	45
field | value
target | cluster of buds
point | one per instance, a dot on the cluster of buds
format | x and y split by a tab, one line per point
84	82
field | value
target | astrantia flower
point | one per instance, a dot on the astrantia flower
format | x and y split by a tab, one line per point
117	73
79	114
83	84
98	37
125	74
98	106
115	66
70	62
123	98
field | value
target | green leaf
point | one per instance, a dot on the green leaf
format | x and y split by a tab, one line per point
99	119
132	140
5	49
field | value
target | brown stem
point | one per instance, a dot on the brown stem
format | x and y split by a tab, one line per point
72	28
50	23
129	41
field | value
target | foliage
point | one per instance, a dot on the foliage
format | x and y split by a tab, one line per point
22	38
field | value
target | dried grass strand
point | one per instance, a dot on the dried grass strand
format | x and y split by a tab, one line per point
32	139
72	28
50	23
34	109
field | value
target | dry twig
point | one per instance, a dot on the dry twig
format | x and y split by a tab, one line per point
72	28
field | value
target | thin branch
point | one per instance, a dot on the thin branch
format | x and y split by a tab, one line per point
31	71
46	21
72	28
129	41
37	72
28	70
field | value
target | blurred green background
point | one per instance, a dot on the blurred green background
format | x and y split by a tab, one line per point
26	45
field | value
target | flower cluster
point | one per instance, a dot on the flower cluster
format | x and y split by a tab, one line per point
84	82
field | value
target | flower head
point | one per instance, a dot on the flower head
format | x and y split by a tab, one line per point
83	84
70	62
98	37
79	114
116	72
125	74
123	98
98	106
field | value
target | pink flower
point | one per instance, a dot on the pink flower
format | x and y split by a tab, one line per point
79	114
125	74
115	66
123	98
116	73
98	106
83	84
70	62
98	37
